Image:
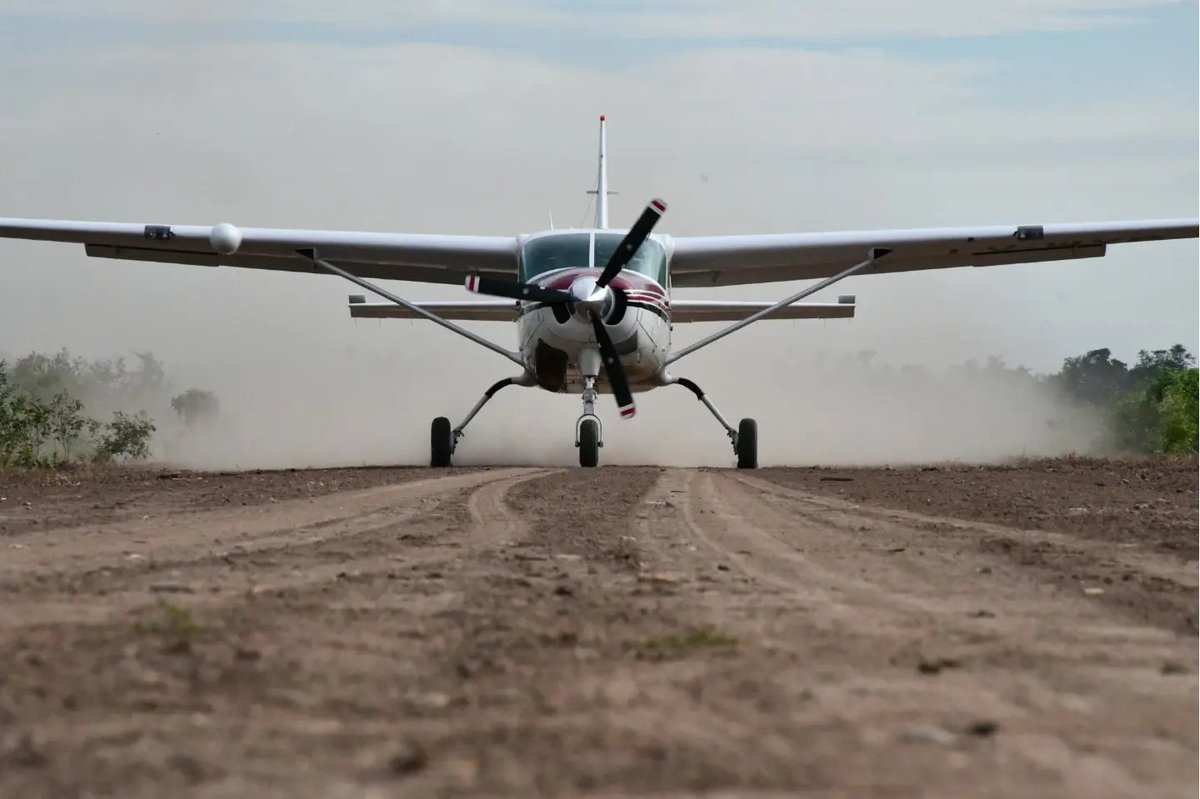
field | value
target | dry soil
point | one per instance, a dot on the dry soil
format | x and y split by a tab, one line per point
1021	631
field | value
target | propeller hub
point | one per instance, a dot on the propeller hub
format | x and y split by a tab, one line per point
588	297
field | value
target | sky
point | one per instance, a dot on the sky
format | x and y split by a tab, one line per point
473	117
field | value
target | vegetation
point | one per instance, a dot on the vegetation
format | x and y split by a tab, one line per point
174	627
59	409
195	406
677	645
38	432
1151	407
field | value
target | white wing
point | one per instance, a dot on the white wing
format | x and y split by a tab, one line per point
393	256
719	311
732	260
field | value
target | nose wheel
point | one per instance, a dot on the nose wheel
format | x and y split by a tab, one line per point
589	436
589	443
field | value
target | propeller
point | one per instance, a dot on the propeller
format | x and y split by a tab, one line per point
515	291
593	297
614	370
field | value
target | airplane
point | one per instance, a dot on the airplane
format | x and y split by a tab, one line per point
593	306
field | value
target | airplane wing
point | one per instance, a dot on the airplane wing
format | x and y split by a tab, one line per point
733	260
478	310
718	311
390	256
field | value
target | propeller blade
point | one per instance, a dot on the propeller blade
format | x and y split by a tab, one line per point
614	370
633	239
516	291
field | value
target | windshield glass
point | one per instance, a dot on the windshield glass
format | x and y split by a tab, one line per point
545	254
570	251
649	260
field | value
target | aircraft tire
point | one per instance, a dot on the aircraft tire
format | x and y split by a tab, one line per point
589	443
747	444
440	443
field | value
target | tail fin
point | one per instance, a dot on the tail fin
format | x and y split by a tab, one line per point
602	183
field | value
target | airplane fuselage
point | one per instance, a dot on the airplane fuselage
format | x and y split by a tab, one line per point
552	339
635	308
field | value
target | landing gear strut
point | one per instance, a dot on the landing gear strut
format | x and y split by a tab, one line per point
744	438
589	432
443	440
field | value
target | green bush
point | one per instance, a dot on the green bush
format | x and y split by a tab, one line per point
125	438
1161	417
1181	413
1151	407
43	425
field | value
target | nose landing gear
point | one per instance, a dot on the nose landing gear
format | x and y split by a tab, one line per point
589	433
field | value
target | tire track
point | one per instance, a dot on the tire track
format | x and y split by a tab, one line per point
849	516
1076	689
1141	583
252	528
335	646
344	536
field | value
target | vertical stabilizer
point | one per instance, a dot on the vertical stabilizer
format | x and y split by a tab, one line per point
602	183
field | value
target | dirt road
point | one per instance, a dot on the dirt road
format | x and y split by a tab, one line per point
624	631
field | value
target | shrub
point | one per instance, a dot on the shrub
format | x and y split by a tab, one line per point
42	429
125	438
195	406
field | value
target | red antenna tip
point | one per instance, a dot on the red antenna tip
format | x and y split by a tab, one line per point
602	117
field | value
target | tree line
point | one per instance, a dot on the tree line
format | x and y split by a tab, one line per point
1151	407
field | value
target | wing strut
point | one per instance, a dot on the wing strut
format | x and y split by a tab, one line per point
873	255
316	260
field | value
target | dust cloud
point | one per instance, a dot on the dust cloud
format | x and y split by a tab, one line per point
370	398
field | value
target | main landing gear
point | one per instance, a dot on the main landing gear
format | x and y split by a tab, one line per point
744	438
443	439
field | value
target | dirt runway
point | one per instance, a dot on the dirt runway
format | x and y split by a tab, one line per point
990	632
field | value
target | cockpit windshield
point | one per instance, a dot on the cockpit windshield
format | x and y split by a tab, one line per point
573	250
550	253
649	260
